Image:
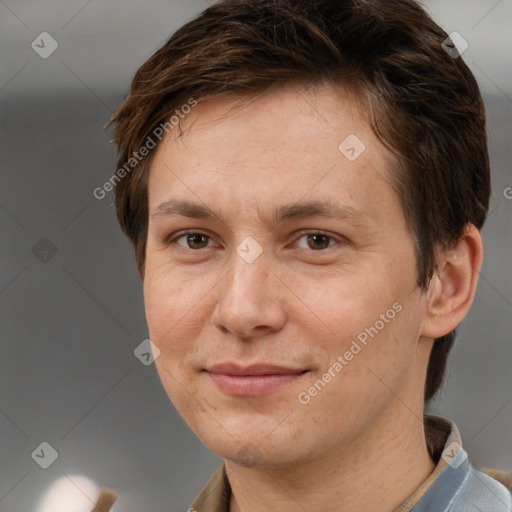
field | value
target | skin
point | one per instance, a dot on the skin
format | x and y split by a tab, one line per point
296	305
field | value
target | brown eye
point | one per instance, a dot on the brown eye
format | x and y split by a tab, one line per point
197	241
193	240
318	241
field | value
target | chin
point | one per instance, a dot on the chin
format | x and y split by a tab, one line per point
251	442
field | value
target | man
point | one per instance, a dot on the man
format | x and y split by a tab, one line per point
304	183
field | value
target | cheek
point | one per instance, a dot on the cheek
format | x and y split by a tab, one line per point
161	309
373	321
347	303
173	327
169	303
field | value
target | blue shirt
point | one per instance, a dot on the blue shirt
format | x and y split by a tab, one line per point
455	485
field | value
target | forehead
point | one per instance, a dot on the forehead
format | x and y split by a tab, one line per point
279	147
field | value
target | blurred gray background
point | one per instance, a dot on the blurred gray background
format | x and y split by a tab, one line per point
71	298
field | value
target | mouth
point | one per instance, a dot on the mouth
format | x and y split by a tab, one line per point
253	380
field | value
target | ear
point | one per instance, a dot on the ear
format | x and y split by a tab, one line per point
452	289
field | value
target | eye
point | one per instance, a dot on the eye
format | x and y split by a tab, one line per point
192	240
317	241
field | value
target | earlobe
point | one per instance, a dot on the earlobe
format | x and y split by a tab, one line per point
452	289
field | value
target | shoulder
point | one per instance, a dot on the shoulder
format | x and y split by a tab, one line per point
501	476
480	492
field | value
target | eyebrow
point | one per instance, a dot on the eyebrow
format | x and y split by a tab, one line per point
290	211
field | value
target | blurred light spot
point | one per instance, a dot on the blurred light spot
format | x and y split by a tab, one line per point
73	494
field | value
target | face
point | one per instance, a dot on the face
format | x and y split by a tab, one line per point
280	277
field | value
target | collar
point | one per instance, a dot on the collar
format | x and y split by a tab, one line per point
444	444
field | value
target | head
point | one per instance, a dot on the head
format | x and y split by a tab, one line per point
250	111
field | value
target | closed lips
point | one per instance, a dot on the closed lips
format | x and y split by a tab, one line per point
252	381
253	370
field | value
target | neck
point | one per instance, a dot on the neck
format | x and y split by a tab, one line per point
378	471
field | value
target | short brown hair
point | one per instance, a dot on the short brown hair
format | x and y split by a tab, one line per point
423	104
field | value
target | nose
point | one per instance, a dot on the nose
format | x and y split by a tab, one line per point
251	301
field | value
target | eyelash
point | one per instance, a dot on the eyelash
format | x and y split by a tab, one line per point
174	240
